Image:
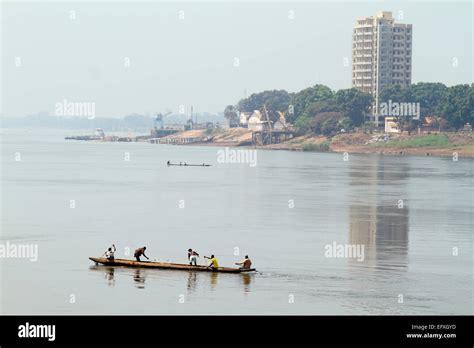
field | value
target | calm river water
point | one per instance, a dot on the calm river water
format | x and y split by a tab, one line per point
413	215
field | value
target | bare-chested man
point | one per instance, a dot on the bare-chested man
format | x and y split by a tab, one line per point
245	263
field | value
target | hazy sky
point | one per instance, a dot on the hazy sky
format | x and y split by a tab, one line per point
191	61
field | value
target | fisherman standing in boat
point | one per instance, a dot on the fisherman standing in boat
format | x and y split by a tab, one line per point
245	263
192	256
213	264
109	254
139	252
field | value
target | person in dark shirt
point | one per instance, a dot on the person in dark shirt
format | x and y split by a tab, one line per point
139	252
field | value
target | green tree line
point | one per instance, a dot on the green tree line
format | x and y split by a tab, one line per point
452	106
321	110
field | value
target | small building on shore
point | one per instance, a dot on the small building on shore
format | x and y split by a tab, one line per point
256	122
391	125
244	119
281	124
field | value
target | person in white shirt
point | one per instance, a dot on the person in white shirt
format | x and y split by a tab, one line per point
192	257
109	254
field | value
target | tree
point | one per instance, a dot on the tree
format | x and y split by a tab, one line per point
354	104
326	122
230	113
301	101
458	106
430	96
327	105
394	93
275	100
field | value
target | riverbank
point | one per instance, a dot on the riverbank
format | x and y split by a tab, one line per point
442	144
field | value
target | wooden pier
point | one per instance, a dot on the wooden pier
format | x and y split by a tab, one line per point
268	137
180	140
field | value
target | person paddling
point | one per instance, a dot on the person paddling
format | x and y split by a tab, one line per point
245	263
213	264
139	252
109	254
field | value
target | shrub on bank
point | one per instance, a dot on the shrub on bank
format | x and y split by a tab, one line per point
321	147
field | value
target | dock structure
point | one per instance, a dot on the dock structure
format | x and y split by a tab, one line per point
270	136
180	140
160	133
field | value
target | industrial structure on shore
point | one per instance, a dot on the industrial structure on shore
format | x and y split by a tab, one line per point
256	128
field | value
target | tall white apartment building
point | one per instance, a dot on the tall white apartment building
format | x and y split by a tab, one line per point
381	56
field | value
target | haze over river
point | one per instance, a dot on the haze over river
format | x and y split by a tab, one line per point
413	215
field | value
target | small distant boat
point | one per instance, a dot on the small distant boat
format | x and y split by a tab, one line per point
187	165
166	265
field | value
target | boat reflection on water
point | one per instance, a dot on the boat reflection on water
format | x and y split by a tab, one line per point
109	273
246	281
139	279
214	276
192	278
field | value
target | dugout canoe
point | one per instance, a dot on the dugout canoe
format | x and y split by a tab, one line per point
166	265
188	165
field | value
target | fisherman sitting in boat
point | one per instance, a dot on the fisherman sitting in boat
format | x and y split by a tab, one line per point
245	263
192	256
139	252
212	263
109	254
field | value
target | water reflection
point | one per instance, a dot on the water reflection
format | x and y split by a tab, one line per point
246	281
139	279
214	276
109	273
192	279
379	210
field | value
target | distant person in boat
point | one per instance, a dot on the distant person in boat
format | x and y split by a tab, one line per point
140	252
192	256
213	264
245	263
168	163
109	254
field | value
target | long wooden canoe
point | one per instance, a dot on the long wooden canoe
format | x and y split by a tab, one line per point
188	165
166	265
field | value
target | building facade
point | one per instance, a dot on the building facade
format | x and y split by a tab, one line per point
381	56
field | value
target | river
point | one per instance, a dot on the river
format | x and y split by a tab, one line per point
413	216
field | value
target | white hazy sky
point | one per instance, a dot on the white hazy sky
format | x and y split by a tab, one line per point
190	61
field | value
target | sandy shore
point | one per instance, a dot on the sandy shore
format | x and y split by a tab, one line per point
460	144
